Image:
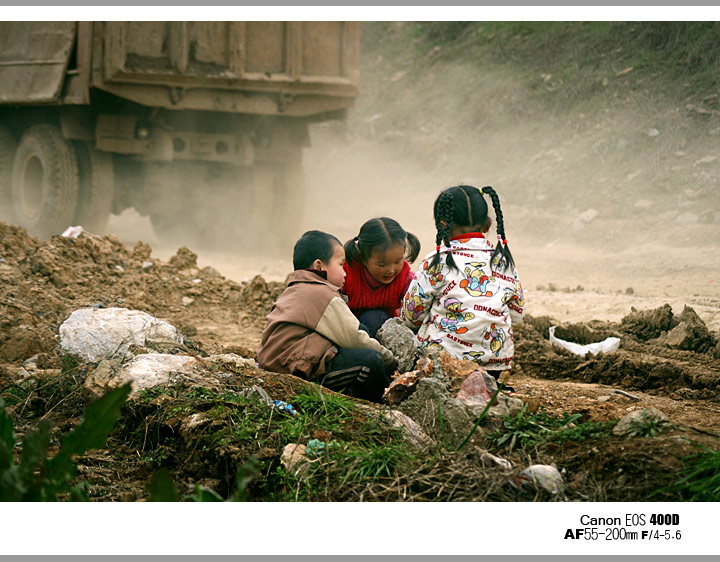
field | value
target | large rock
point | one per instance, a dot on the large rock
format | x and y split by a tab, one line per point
638	420
443	417
144	371
399	339
94	334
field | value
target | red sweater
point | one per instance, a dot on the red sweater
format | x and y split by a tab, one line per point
362	296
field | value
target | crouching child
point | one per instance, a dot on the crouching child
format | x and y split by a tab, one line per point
311	333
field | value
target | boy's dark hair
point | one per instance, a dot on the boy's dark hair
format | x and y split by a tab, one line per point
313	245
464	206
381	234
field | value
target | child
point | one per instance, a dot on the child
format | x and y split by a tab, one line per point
377	271
311	332
466	295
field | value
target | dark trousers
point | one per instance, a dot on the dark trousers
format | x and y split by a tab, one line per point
373	319
357	372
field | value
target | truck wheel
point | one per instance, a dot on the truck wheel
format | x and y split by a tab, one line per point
44	181
7	153
96	188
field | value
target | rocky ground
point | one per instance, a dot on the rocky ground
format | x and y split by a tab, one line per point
666	361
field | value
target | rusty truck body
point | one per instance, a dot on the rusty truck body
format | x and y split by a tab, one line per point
188	122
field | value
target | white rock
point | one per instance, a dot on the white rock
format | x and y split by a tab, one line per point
144	371
93	334
637	418
546	477
186	301
294	460
230	359
413	431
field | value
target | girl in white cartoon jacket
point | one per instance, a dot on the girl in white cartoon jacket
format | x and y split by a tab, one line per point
466	295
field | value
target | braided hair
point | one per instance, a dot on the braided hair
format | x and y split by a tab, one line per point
381	234
464	206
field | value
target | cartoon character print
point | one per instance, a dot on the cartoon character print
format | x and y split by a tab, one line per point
454	316
434	273
497	338
510	295
414	306
475	282
473	355
427	343
499	263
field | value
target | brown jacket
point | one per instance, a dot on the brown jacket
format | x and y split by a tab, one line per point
307	324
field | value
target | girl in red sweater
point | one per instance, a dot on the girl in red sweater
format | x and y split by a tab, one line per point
378	272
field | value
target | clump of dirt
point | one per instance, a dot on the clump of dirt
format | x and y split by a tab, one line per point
649	324
689	333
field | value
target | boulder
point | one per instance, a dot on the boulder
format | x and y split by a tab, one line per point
399	339
94	334
443	417
144	371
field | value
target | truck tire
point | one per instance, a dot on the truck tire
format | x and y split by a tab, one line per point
44	181
7	154
96	188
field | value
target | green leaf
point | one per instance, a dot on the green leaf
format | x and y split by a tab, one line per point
203	494
97	422
7	438
162	488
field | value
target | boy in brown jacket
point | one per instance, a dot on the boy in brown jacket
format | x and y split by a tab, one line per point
311	332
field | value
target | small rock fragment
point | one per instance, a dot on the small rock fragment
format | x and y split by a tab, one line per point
546	477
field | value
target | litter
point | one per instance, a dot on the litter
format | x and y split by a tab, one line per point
315	447
72	232
608	345
284	407
623	393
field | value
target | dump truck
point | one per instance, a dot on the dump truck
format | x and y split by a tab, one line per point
198	125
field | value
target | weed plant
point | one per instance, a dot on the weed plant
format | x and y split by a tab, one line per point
701	476
528	430
39	478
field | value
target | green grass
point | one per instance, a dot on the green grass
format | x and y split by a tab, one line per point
701	476
527	430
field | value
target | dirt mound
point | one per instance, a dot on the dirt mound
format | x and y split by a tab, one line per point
659	352
649	324
43	282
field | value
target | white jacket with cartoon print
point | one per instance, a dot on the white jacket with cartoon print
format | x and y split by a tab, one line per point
468	311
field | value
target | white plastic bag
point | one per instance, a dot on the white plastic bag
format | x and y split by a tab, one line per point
606	346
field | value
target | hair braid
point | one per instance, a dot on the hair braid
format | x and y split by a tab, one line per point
443	214
502	246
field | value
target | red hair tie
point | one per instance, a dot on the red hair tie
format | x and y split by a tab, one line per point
505	241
